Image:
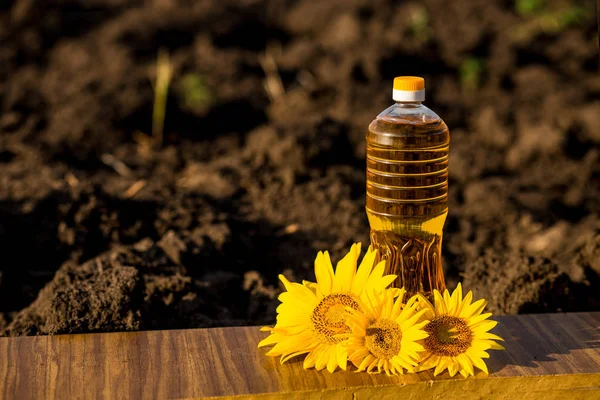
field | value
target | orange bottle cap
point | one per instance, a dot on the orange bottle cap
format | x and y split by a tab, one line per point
409	83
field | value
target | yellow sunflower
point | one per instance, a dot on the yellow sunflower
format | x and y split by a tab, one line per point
385	333
311	316
459	334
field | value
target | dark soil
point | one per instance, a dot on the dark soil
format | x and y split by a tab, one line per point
98	232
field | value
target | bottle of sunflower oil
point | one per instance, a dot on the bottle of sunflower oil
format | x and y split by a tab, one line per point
407	188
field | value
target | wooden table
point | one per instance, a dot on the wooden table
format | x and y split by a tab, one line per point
550	356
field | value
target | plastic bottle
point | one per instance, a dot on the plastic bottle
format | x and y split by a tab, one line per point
407	188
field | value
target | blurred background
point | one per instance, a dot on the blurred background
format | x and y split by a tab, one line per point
162	161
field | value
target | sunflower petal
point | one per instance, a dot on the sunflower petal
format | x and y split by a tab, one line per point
375	277
439	303
342	356
479	363
489	335
484	326
456	298
309	360
303	293
346	269
321	357
269	340
453	368
463	303
363	272
474	309
292	355
465	364
332	361
324	272
478	318
497	346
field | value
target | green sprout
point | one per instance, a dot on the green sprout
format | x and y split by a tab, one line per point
194	92
164	72
529	7
551	22
560	20
470	72
571	16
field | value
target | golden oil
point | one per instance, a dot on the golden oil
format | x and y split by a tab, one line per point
407	189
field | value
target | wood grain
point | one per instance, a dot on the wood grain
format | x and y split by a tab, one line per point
547	356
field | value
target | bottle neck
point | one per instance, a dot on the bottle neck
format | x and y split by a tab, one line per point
409	104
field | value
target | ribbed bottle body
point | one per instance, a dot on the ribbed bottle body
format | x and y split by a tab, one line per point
407	196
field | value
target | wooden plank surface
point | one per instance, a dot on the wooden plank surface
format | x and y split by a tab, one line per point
548	356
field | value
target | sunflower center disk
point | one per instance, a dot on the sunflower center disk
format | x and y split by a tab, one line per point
335	316
448	336
383	338
329	315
